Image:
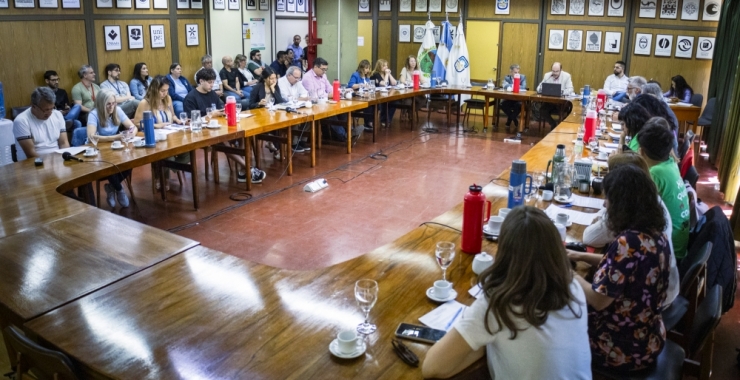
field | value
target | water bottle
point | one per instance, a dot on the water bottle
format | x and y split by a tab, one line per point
417	79
600	100
517	81
517	183
230	111
336	96
147	124
473	219
586	94
589	129
557	160
578	149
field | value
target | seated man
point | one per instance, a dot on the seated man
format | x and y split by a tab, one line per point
207	62
201	98
69	110
557	75
634	88
617	83
125	100
278	65
232	83
255	64
83	93
292	89
41	129
315	80
512	108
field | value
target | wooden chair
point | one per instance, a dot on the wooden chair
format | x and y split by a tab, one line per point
693	274
44	363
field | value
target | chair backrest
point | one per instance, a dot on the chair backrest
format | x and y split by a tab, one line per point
686	144
692	176
697	99
707	318
705	119
45	363
15	111
691	266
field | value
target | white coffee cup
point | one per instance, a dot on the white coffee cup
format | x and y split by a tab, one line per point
561	230
494	224
348	95
547	195
481	262
213	123
90	151
442	289
116	144
321	101
603	155
502	212
347	341
562	219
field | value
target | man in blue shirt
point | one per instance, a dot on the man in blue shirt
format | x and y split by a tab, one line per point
297	50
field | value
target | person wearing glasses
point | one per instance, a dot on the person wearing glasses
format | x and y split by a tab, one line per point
291	88
317	85
207	62
83	93
70	110
41	129
255	64
126	101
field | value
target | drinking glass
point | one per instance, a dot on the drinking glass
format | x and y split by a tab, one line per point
593	142
541	181
490	84
183	117
94	140
270	103
128	139
366	294
238	108
207	118
445	253
438	79
535	188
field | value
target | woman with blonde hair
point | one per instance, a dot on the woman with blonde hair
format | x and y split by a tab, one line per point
531	303
407	78
382	78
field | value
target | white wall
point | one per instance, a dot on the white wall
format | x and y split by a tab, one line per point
285	29
226	34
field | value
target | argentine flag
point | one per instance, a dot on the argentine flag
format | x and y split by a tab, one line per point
458	64
427	51
443	53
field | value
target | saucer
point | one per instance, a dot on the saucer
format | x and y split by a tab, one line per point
570	223
116	147
488	232
561	199
334	349
601	159
213	126
430	294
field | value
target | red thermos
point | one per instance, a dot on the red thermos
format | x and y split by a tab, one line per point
473	219
517	80
230	111
417	78
337	95
589	126
600	100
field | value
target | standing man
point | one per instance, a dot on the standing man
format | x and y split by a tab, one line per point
231	81
83	93
616	84
41	129
255	64
512	108
70	111
125	100
207	62
557	75
297	50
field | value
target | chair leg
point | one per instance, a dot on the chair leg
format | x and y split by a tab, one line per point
180	177
97	192
205	160
131	188
214	162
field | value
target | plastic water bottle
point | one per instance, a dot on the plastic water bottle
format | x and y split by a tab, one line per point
578	149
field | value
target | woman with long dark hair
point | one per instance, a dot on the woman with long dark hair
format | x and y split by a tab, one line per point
531	304
680	89
633	116
265	90
140	81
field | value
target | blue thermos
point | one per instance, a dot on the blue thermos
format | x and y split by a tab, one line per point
517	183
147	124
586	94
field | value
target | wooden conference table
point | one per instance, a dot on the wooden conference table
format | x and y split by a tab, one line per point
685	114
202	313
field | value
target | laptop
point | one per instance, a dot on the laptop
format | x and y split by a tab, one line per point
552	89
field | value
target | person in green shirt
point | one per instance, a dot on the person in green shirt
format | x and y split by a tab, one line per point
84	92
633	118
655	141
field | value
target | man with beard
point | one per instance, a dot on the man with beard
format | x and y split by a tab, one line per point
69	109
125	100
616	84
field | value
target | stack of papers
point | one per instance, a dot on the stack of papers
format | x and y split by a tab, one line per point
443	317
587	202
73	150
578	217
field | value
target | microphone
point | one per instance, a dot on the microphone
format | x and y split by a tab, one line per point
68	156
291	110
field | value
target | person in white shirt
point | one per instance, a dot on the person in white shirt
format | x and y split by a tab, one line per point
41	129
531	319
292	88
557	75
616	83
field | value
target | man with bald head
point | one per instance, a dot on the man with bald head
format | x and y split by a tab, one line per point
230	80
557	75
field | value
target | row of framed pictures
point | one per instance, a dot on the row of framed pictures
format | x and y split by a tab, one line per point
614	8
574	40
690	9
298	6
124	4
136	38
419	5
405	34
664	46
66	4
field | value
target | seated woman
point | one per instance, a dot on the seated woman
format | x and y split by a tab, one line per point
598	234
531	304
680	89
633	118
105	121
179	87
246	76
140	81
382	77
266	90
359	79
629	287
158	101
407	78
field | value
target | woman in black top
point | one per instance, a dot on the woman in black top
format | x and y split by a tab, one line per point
382	77
264	90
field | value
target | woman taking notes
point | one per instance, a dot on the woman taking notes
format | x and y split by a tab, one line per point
530	321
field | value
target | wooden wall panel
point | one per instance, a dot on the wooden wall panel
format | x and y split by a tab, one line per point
662	69
190	55
41	11
519	9
56	45
191	11
384	41
522	51
157	60
365	30
585	67
646	22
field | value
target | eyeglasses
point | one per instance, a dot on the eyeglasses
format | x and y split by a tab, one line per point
47	110
297	77
323	69
113	104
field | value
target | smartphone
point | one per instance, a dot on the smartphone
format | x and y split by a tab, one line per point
419	333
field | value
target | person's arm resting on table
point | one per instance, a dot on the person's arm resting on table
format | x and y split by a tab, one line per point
449	356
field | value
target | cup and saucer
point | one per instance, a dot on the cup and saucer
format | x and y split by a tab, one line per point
213	125
90	152
563	199
442	291
493	227
115	146
347	345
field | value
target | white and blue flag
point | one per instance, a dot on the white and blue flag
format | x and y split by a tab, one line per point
443	53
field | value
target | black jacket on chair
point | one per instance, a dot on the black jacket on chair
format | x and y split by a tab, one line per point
258	93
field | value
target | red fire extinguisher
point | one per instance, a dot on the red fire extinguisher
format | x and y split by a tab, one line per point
473	219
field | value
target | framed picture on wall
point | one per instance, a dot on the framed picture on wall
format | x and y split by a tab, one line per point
264	5
251	5
364	6
290	4
404	6
123	4
233	5
684	46
663	45
195	4
555	42
712	10
112	36
502	7
705	48
451	6
191	35
135	36
183	4
690	10
647	9
419	31
157	35
404	33
577	7
421	6
669	9
612	42
142	4
4	4
384	5
69	4
557	7
280	7
98	3
596	7
52	4
643	43
219	4
162	4
31	4
574	40
593	40
301	6
435	5
616	8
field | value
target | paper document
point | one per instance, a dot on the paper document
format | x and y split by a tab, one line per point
443	316
73	150
476	291
588	202
682	104
577	217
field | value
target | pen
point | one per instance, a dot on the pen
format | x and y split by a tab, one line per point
566	206
449	324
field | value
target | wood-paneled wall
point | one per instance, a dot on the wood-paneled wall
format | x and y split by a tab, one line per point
28	49
189	55
523	53
524	9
